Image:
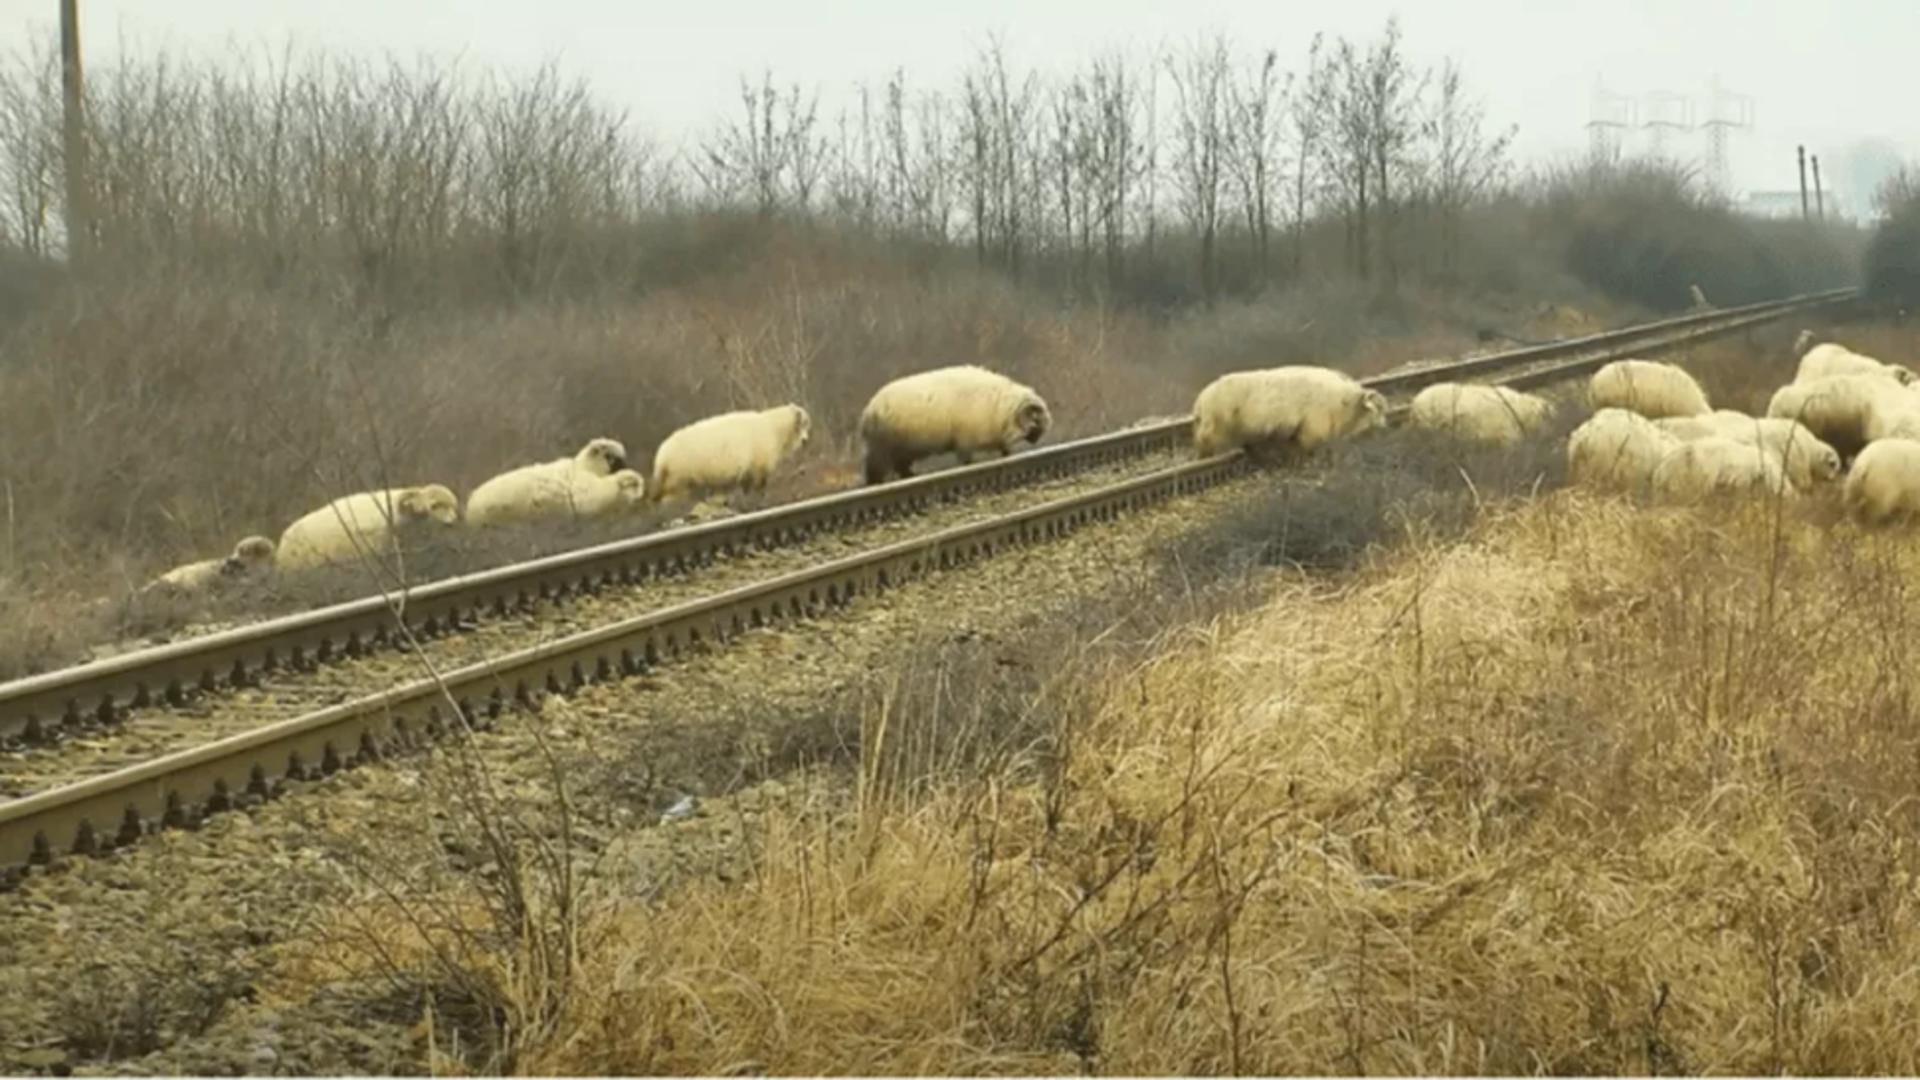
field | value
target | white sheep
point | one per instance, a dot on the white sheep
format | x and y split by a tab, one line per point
251	558
1884	482
1295	407
1688	428
600	496
1844	411
545	490
553	492
965	409
1489	414
1807	461
1617	449
732	450
1828	358
1652	389
1703	467
368	522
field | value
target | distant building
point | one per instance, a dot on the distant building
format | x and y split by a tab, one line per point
1786	204
1772	204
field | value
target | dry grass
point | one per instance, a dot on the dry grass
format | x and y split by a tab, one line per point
1602	789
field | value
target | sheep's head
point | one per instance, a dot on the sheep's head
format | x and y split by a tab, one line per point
435	502
1032	419
1902	374
602	457
1373	411
251	555
1825	464
632	487
801	427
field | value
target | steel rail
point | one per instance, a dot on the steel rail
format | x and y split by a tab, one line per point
105	812
103	691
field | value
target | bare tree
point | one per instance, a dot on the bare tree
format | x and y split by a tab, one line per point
1119	158
853	181
1201	84
1338	92
1464	159
1255	137
1372	101
772	154
1391	106
931	169
1307	117
30	169
1073	157
995	136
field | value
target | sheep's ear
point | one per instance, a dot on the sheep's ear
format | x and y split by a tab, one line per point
412	503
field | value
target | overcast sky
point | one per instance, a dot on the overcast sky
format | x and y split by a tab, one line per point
1829	74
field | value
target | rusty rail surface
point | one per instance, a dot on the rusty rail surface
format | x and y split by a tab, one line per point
113	810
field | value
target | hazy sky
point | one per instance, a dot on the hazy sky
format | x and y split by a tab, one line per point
1824	73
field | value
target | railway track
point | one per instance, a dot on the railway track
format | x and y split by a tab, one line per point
105	753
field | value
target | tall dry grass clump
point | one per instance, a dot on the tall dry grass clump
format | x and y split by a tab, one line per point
1603	789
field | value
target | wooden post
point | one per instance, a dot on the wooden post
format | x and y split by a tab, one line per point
74	149
1819	195
1804	215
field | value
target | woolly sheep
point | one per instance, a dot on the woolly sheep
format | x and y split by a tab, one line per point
1806	459
250	558
602	495
369	521
1844	411
546	489
1652	389
1688	428
732	450
964	409
1828	358
553	491
1617	449
1703	467
1884	482
1298	407
1490	414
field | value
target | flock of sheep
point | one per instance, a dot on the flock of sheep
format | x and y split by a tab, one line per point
1653	431
1844	414
964	410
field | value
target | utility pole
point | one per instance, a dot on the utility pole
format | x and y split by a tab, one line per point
1804	214
1819	195
73	123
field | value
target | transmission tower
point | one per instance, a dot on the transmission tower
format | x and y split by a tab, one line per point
1611	115
1726	112
1665	114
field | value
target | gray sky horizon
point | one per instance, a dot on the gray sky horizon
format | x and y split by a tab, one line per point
1823	75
